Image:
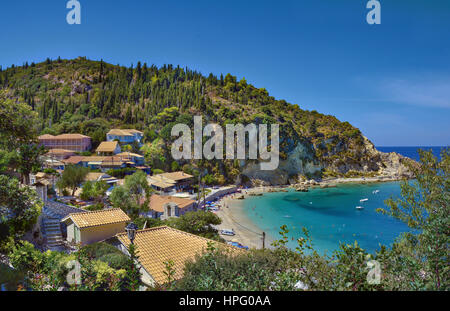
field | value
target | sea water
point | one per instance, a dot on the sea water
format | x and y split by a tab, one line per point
329	214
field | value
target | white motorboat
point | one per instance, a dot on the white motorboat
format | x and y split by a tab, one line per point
363	200
359	207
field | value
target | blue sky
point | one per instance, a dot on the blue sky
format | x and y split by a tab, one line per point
391	80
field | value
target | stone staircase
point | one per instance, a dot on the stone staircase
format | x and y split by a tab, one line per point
53	213
52	232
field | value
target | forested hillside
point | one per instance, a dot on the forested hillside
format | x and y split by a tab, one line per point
90	97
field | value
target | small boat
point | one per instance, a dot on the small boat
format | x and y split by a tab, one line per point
359	207
287	216
376	191
363	200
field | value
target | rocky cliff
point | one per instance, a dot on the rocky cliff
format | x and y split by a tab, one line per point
302	164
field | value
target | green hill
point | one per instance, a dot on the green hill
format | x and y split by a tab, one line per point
90	97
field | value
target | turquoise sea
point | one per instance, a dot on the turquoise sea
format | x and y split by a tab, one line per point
330	214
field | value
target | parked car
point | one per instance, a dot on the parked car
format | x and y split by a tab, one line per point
227	232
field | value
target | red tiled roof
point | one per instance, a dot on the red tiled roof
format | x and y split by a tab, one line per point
73	160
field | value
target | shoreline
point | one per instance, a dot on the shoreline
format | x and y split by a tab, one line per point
232	216
325	183
246	232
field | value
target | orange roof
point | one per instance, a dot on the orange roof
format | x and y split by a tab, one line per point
157	202
63	136
114	161
73	160
107	146
93	158
129	155
175	175
124	132
98	218
160	244
60	151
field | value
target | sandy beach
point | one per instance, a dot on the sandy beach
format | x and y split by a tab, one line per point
233	218
246	232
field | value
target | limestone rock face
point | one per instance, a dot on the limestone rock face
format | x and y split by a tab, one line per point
301	161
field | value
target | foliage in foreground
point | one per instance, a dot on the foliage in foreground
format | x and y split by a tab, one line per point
417	260
19	208
101	268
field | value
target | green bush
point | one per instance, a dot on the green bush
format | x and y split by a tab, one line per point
10	278
157	171
114	260
121	173
100	249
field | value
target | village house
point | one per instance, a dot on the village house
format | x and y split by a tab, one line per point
164	207
59	154
133	157
90	227
41	178
115	162
108	148
175	181
161	244
72	142
92	162
52	163
103	162
73	160
125	136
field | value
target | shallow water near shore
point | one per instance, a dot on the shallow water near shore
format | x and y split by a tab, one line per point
329	214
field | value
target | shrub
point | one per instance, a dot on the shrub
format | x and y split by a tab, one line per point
114	260
100	249
157	171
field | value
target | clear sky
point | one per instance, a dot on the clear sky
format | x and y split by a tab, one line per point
391	80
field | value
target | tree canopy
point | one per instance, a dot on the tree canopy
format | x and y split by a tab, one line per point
72	177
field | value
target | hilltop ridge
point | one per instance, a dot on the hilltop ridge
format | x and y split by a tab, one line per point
90	97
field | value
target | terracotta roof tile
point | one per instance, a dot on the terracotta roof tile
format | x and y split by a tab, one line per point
157	202
123	132
176	176
73	160
59	151
107	146
129	155
63	136
98	218
158	245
